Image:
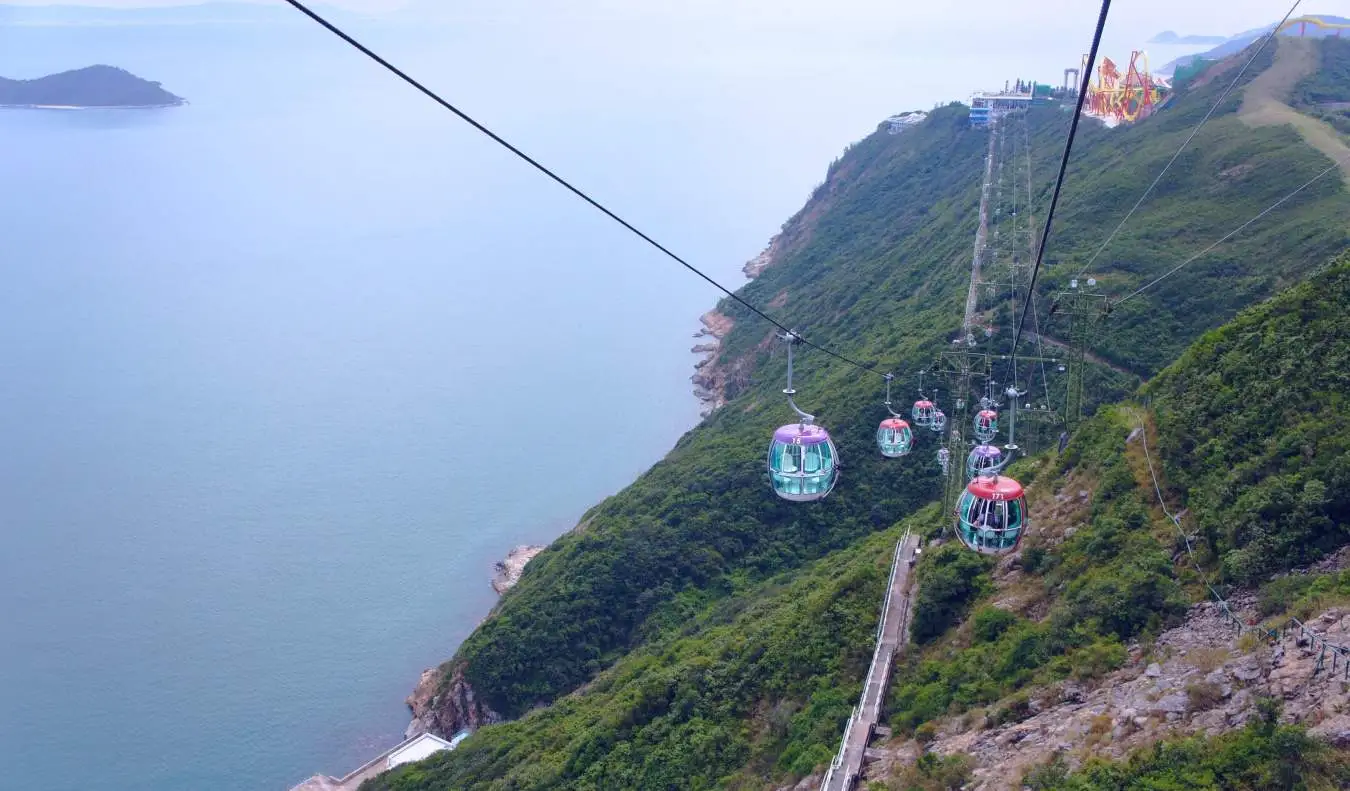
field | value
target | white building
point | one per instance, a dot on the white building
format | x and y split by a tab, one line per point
415	749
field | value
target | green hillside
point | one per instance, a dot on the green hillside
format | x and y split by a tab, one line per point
1121	575
754	687
695	631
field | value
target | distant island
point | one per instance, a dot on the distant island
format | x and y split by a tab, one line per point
94	86
1170	37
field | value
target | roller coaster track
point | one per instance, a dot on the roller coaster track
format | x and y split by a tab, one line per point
1315	21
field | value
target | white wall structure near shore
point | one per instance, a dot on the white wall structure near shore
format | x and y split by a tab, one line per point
423	745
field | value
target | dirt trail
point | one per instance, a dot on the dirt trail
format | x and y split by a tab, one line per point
1263	101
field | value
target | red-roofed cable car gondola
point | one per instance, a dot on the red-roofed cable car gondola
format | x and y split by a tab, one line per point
923	410
986	425
923	413
894	437
803	462
991	516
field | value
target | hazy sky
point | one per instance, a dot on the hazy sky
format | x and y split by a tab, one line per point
1135	17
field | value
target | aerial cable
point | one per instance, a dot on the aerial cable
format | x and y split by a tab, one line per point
1063	166
1191	136
1272	207
335	30
1040	351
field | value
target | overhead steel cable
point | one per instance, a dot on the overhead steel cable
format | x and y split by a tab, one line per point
1063	167
496	138
1222	97
1272	207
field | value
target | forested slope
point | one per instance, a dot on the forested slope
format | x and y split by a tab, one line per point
632	610
1255	475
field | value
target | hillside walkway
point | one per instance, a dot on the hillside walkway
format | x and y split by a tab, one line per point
892	636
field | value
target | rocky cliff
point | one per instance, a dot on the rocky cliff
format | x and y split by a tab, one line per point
1201	677
508	571
444	704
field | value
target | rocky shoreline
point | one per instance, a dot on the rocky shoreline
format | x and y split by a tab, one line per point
508	570
443	703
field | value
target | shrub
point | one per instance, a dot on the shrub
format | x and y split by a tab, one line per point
936	773
1203	696
949	580
1096	659
990	623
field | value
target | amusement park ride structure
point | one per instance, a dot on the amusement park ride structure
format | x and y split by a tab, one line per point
1116	98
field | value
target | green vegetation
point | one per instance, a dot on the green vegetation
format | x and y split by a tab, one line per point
1254	428
1261	756
697	632
1108	584
949	580
754	687
1304	595
1326	93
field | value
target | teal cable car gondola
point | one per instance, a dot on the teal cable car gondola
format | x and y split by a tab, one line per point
894	437
803	462
991	516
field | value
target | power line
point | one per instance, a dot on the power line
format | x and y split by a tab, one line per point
1272	207
335	30
1063	166
1191	136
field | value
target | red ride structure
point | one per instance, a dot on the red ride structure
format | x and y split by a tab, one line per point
1116	99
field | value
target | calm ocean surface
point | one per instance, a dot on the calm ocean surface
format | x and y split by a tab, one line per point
285	370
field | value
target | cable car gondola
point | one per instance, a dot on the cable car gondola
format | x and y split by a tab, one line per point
923	413
923	410
986	425
984	460
803	462
991	516
939	420
894	437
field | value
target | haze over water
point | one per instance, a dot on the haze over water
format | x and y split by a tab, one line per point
287	369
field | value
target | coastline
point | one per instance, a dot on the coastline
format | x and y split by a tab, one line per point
437	688
68	107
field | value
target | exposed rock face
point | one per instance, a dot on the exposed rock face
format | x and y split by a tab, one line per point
1197	680
709	378
508	571
445	705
